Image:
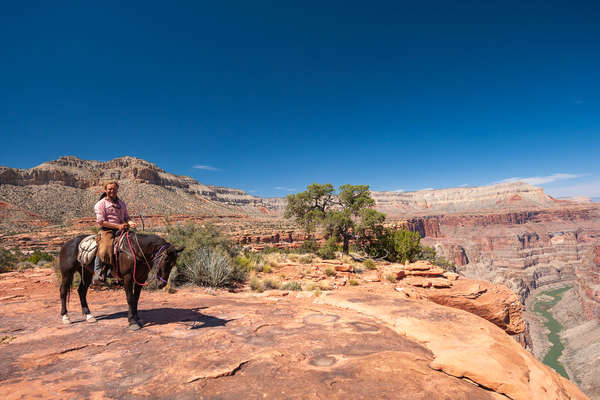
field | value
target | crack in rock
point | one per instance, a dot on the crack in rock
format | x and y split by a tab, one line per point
219	373
472	382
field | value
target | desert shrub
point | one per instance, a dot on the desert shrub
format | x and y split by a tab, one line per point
270	250
353	282
195	237
394	245
306	259
293	257
327	251
8	260
369	264
38	256
429	254
444	264
256	284
243	262
291	286
271	284
212	267
391	278
310	286
308	246
330	272
267	269
324	285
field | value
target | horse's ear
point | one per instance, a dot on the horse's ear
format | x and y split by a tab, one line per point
179	250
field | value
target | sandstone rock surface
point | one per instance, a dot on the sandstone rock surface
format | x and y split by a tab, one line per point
351	344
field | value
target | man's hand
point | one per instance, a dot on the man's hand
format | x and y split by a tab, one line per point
123	227
132	224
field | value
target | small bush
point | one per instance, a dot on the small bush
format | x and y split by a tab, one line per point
212	267
330	272
250	261
271	284
306	259
291	286
308	246
327	252
267	269
256	284
353	282
324	285
8	260
293	258
38	256
195	237
270	250
369	264
391	277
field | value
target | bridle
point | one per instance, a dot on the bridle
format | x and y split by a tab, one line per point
156	258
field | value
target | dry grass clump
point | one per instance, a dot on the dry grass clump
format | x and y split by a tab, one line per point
291	286
256	284
353	282
270	283
369	264
306	259
212	267
391	277
330	272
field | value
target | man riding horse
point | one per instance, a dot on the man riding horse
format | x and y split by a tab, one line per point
111	216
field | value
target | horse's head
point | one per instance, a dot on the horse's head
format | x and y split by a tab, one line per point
166	264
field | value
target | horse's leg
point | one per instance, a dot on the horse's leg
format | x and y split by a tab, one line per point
65	287
137	289
128	285
84	284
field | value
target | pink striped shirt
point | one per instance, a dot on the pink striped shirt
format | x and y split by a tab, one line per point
115	213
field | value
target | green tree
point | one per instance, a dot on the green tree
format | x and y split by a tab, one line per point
340	215
310	207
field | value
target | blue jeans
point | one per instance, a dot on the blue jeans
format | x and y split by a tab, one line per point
97	264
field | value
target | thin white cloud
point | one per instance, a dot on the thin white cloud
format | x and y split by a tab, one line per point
425	189
589	189
206	168
285	189
398	190
540	180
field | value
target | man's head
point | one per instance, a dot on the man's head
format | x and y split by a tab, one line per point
111	188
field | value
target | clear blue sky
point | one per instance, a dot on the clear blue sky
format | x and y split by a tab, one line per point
272	96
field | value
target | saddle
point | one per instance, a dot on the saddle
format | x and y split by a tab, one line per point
87	250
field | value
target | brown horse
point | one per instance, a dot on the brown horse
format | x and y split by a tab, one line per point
137	256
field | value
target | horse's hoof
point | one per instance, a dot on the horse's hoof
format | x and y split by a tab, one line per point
134	327
90	318
66	320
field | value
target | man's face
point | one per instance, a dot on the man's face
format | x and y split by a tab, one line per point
111	191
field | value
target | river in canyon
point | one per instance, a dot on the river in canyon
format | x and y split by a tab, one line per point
543	305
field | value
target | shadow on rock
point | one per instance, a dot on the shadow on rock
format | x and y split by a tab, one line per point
163	316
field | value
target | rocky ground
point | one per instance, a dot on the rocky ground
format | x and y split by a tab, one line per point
383	338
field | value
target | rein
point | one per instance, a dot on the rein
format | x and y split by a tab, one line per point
156	258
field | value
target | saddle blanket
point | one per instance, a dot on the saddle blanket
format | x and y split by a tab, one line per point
87	250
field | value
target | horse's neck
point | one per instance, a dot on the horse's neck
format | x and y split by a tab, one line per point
147	244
